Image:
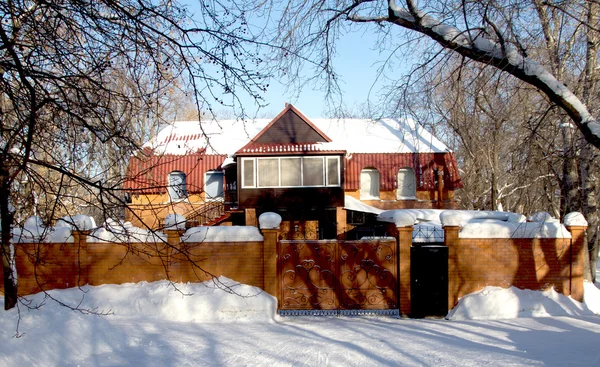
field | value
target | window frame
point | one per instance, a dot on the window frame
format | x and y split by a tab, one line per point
325	171
214	198
414	182
171	188
254	181
370	196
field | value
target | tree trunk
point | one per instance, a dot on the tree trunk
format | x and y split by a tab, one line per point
589	168
10	285
590	207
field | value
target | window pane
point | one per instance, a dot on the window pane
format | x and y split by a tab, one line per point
177	185
369	184
290	172
213	185
248	173
312	171
407	183
268	172
333	172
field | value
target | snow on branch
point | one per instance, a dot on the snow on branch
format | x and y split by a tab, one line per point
476	46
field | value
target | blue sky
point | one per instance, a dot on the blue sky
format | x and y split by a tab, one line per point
356	64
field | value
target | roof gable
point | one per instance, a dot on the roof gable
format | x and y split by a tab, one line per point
290	127
325	135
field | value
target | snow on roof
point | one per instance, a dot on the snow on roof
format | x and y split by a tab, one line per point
351	135
351	203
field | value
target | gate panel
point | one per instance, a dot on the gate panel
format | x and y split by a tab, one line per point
368	275
326	276
307	275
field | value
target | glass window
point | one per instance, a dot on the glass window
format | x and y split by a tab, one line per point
213	185
312	172
333	170
369	184
248	173
407	184
177	185
268	172
290	171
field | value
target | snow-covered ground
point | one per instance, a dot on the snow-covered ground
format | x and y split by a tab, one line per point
152	324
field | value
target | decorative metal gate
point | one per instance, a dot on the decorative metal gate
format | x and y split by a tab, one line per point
338	277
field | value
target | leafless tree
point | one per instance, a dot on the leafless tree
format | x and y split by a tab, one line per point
550	46
82	84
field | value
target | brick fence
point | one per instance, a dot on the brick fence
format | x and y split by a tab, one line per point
528	263
45	266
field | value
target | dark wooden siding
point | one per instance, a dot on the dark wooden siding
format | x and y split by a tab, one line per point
294	199
290	128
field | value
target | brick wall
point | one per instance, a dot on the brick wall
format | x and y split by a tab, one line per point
55	266
472	263
526	263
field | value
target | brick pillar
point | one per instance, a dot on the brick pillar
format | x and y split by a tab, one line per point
404	244
451	241
250	217
171	254
270	276
340	218
80	241
174	237
577	260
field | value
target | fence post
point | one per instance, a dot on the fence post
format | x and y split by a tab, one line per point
173	254
340	219
270	260
80	240
577	260
451	241
269	225
404	244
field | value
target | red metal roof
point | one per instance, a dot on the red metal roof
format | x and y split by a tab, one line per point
148	174
388	165
286	149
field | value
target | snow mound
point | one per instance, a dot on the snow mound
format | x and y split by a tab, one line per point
221	300
591	297
118	232
34	231
269	220
174	222
496	303
77	222
575	219
222	234
490	228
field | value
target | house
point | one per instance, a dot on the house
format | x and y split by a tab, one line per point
327	178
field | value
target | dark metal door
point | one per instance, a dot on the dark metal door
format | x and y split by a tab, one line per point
429	280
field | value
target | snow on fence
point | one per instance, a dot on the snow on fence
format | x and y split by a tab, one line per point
76	252
484	249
